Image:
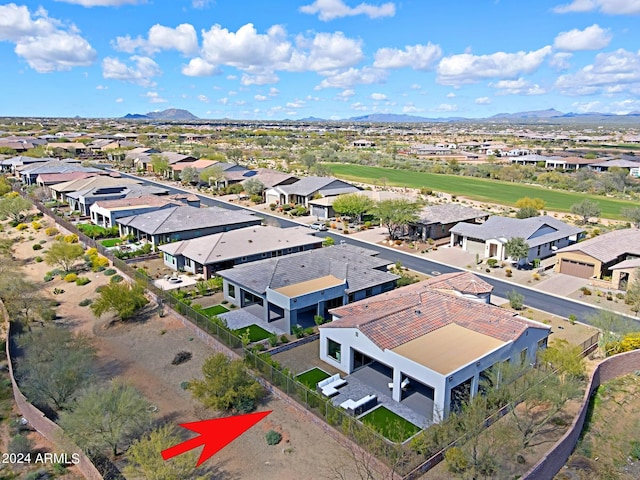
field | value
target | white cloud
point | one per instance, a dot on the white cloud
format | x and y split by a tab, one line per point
203	98
331	9
326	51
446	107
44	42
359	107
102	3
154	97
482	101
198	67
560	61
517	87
296	104
353	76
451	95
273	92
468	68
201	3
345	95
183	38
119	100
141	73
260	98
611	72
378	96
102	87
417	57
259	79
611	7
591	38
411	108
223	101
415	86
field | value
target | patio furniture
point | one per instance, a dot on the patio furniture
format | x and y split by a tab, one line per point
329	386
356	407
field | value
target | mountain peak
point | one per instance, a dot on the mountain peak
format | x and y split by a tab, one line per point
168	114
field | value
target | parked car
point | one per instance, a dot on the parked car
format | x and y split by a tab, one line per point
320	226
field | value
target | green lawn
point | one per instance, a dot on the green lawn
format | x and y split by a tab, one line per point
311	377
477	188
110	242
389	424
214	310
256	333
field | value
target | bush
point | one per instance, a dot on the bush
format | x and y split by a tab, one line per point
284	339
110	271
508	272
51	231
516	300
116	279
456	460
72	238
70	277
22	226
181	357
86	302
82	281
48	314
585	291
272	206
256	198
492	262
37	246
272	437
38	259
20	444
48	277
36	226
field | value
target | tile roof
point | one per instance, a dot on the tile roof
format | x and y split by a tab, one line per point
198	165
183	218
535	230
398	317
463	282
270	178
63	177
308	185
145	200
242	242
449	213
93	182
609	246
356	265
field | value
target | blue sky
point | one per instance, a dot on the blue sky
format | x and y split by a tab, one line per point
246	59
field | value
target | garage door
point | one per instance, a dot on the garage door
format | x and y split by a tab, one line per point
475	246
577	269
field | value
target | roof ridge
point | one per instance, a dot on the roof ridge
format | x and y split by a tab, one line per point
169	213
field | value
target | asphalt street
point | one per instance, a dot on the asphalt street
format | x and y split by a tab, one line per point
540	300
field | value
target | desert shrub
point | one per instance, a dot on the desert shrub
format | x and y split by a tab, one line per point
585	291
85	302
284	339
272	437
116	279
256	198
456	460
47	314
48	277
51	231
508	272
72	238
82	281
70	277
184	385
536	276
110	271
492	262
22	226
20	444
272	206
36	225
38	259
516	300
181	357
37	246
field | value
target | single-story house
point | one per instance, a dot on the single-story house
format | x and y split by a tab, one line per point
10	164
439	346
60	191
29	173
292	290
219	251
48	179
172	158
607	164
184	222
436	221
305	189
199	165
463	284
322	208
105	212
544	235
614	254
83	199
424	149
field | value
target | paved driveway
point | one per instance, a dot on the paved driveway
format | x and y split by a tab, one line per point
561	284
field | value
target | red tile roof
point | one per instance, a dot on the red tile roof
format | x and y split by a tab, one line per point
463	282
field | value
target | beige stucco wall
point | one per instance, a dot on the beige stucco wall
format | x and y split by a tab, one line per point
579	257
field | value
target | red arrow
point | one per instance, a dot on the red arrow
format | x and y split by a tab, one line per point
214	434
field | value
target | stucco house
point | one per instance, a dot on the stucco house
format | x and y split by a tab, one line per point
183	222
105	212
544	235
219	251
291	290
322	208
436	221
432	348
615	254
305	189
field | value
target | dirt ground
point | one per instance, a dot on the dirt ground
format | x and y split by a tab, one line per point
141	352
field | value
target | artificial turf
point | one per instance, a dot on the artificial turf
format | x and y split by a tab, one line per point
310	378
214	310
389	424
110	242
256	333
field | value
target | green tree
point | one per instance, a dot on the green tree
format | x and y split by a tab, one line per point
253	186
14	206
612	328
189	175
396	214
212	175
308	159
328	241
516	300
5	186
536	203
106	419
353	205
527	212
586	209
64	255
516	248
565	357
121	298
226	385
159	163
22	297
632	214
320	170
235	155
145	459
55	366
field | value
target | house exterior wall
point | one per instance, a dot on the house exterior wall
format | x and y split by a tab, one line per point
579	257
351	339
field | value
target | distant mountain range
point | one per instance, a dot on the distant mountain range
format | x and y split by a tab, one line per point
168	114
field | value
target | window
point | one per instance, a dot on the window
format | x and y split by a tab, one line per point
187	262
231	291
352	297
333	349
523	356
368	292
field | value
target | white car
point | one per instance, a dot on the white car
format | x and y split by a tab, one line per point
320	226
